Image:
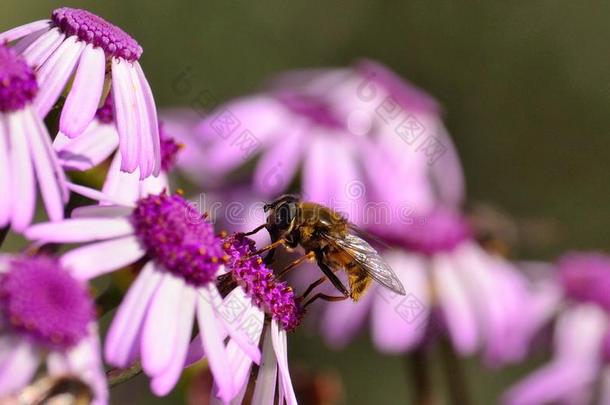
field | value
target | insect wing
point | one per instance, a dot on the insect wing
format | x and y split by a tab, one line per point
370	261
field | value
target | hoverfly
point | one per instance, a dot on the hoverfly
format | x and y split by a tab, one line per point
329	239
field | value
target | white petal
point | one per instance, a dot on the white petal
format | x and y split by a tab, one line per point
23	186
5	178
102	257
123	339
126	113
54	74
17	369
264	388
80	230
152	117
84	97
39	51
278	339
89	149
23	30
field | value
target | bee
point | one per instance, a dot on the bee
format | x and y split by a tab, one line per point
329	239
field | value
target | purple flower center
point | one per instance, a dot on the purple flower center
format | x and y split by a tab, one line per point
17	81
169	149
272	296
96	31
105	114
311	108
586	277
41	300
176	236
403	92
440	231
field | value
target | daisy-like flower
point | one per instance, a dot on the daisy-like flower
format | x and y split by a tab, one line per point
99	141
581	364
78	47
370	135
46	314
25	149
263	307
453	286
181	259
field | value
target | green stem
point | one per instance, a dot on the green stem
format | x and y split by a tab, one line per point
455	375
118	376
418	371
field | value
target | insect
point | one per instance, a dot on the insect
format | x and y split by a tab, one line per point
329	239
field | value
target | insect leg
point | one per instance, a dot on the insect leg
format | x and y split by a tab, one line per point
255	230
268	247
328	272
324	297
314	285
295	263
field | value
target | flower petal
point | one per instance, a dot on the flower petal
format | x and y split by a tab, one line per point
101	211
84	97
266	380
122	341
278	340
5	178
54	74
153	125
50	182
18	367
93	260
89	149
399	322
23	186
457	310
162	383
23	30
43	47
126	115
80	230
120	184
99	196
213	345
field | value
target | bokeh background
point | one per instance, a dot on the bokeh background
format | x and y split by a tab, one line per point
526	93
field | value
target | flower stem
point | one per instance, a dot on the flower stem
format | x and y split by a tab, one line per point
118	376
456	377
419	373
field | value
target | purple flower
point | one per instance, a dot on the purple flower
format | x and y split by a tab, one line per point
80	45
45	312
581	338
453	286
181	259
25	149
371	136
259	294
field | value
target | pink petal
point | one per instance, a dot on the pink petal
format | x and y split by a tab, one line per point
153	125
89	149
84	97
154	184
161	324
278	165
23	30
447	172
122	341
5	179
80	230
120	184
343	321
213	345
580	332
54	74
147	158
93	260
49	181
240	364
18	366
98	211
162	383
550	384
24	42
315	167
455	304
43	47
266	380
23	186
278	340
399	322
99	196
126	115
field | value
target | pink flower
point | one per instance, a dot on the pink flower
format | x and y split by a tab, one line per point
45	312
182	258
26	155
371	137
581	338
80	45
453	287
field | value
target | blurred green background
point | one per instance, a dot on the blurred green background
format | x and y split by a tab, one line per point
524	85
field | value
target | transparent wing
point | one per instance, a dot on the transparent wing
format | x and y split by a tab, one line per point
370	261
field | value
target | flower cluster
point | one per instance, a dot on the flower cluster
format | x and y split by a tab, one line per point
259	282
